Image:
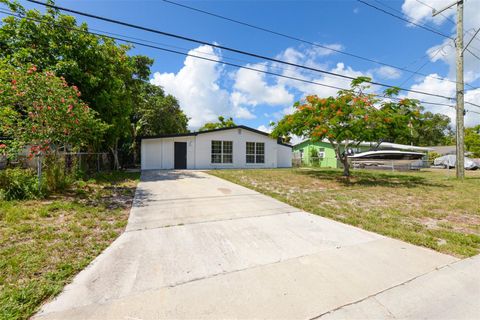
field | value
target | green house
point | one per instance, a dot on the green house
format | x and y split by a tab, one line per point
322	154
319	154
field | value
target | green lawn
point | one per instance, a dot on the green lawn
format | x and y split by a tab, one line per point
428	208
44	243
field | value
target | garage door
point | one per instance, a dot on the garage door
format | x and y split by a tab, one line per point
151	155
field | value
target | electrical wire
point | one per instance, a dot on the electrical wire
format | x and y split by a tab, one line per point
220	62
414	23
407	20
295	38
429	6
227	48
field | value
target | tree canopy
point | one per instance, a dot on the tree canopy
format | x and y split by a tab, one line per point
350	117
158	114
472	140
222	123
112	83
41	111
428	129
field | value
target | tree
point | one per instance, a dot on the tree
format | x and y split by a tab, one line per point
159	114
472	140
222	123
349	118
42	112
429	129
100	68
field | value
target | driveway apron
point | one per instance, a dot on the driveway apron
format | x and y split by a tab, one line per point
197	246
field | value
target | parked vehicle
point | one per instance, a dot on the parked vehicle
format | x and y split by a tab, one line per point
450	160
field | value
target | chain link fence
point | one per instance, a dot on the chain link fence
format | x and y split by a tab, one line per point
84	161
372	164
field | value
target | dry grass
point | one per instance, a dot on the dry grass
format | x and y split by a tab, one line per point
43	244
428	208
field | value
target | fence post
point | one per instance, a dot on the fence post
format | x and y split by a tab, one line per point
39	172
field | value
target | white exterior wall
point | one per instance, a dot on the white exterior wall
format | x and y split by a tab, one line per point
239	137
159	153
284	156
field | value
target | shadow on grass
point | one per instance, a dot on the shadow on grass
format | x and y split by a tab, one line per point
372	179
113	177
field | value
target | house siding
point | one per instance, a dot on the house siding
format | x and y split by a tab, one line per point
328	161
158	153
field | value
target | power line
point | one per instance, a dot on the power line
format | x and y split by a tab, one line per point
165	45
423	65
217	61
227	48
471	39
406	20
414	23
235	50
302	40
429	6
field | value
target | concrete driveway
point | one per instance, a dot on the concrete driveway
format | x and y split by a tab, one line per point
197	246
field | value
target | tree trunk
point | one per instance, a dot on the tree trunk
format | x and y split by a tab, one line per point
134	151
346	166
134	144
343	159
114	149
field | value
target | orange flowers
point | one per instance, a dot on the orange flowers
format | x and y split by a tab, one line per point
32	70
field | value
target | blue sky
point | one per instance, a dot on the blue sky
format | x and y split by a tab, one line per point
207	90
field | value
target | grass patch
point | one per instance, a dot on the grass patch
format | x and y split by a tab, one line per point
428	208
44	243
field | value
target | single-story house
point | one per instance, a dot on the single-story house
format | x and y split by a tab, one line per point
234	147
322	153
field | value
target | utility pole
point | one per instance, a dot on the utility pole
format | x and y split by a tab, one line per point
460	112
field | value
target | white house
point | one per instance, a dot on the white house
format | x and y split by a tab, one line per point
235	147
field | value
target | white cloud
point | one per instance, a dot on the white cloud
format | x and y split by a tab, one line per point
315	52
432	84
252	88
445	51
423	13
264	128
387	72
332	82
196	85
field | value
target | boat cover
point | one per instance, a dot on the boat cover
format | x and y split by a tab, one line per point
450	159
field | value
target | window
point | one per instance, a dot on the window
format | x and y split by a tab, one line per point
255	152
222	151
321	153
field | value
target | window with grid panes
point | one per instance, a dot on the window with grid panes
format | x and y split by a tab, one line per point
222	151
255	152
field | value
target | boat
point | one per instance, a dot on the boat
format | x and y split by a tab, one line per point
387	159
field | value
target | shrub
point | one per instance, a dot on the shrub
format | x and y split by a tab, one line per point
432	155
18	184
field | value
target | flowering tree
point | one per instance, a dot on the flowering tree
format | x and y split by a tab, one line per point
42	111
349	118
